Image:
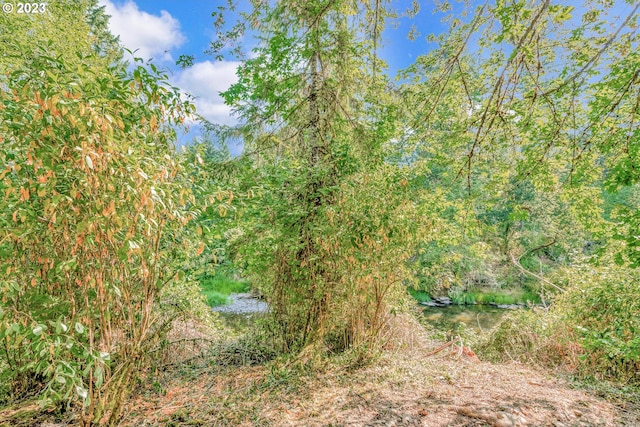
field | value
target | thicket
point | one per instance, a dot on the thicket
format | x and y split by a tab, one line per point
517	165
591	330
330	224
92	225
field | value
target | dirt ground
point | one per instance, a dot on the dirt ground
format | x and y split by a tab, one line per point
415	382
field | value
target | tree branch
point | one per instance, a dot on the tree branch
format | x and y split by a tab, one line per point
596	56
532	274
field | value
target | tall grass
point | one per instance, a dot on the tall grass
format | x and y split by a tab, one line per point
418	295
590	330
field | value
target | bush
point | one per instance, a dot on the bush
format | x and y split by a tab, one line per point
521	335
592	330
93	206
600	312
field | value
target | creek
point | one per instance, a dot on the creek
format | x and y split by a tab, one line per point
243	309
477	317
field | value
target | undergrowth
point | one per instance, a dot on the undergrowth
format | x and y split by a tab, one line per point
419	295
626	395
513	297
590	331
482	297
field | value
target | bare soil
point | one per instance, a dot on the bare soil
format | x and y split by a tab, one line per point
414	382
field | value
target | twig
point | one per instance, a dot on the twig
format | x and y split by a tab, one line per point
182	340
537	248
442	347
593	59
471	413
531	273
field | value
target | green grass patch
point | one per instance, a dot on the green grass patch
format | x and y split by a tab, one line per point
217	287
463	298
420	296
215	298
483	297
531	297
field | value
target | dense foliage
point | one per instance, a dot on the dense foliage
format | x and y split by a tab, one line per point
91	214
506	158
332	224
509	151
590	330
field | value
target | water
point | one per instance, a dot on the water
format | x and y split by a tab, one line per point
477	317
243	304
242	311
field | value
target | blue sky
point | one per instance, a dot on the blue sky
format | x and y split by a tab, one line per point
165	29
196	24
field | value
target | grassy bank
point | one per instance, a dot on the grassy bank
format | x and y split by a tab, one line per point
218	286
230	380
414	381
482	297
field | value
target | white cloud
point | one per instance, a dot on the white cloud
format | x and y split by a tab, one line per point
204	80
151	35
155	36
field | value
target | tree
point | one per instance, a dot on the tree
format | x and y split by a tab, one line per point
553	105
65	28
331	226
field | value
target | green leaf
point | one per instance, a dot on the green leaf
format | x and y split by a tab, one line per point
79	327
98	375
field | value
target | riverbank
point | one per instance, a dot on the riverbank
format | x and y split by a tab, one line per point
503	299
416	382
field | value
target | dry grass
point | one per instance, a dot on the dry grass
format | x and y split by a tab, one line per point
186	341
411	384
405	387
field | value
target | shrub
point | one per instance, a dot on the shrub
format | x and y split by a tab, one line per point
92	208
592	329
600	312
521	335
